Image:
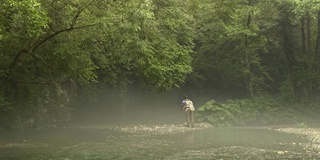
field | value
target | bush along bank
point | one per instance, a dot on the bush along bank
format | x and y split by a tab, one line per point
258	111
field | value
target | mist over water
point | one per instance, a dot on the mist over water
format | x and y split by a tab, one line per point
135	107
148	126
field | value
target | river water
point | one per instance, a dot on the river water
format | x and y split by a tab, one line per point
92	143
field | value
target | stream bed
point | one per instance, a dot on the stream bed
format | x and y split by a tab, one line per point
167	142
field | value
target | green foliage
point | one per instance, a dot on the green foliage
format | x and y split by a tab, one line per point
24	17
259	111
54	50
256	46
230	33
287	90
223	113
82	48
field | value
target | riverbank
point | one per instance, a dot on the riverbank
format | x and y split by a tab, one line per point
312	134
161	129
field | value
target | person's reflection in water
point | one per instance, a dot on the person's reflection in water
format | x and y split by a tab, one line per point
189	138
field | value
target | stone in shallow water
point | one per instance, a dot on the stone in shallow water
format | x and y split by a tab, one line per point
161	129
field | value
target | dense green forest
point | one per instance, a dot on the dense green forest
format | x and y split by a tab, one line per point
56	55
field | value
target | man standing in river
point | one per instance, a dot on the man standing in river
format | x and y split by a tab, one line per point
188	108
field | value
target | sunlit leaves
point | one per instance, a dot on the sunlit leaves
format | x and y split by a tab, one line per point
303	6
24	17
142	38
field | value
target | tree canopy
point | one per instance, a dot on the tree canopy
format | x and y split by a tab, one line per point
55	52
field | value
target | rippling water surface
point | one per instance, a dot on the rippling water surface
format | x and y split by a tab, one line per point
99	143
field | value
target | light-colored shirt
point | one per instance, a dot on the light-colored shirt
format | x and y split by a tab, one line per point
188	104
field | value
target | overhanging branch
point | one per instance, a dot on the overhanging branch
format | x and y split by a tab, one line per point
56	33
72	27
33	49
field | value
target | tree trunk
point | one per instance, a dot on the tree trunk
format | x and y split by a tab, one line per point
248	65
308	34
303	36
317	53
288	48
